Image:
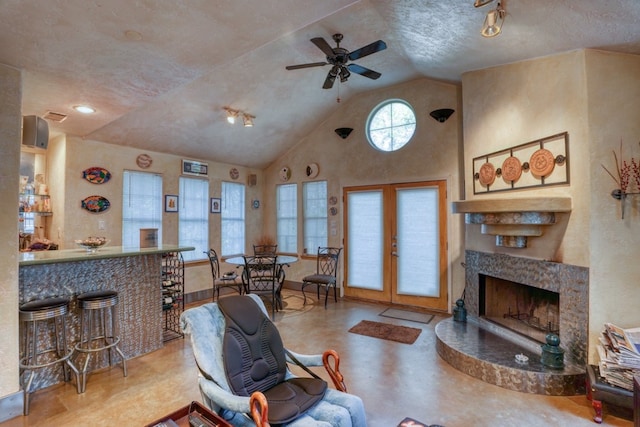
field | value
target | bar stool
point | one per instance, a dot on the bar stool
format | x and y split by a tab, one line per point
33	316
97	306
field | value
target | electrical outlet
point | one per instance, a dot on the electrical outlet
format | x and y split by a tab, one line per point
102	225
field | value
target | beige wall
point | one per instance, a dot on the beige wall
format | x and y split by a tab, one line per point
10	139
432	154
518	103
69	156
594	96
613	92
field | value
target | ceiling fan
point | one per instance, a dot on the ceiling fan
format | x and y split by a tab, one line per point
338	57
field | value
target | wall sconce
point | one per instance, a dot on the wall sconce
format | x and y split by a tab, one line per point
344	132
232	115
442	114
493	22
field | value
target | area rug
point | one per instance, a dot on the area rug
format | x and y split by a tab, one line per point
386	331
412	316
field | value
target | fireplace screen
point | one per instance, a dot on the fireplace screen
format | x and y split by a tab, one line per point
528	310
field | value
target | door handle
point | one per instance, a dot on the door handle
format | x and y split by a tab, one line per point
394	253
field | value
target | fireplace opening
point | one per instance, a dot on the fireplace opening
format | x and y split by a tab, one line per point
527	310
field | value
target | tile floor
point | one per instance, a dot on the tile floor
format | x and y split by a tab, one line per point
395	380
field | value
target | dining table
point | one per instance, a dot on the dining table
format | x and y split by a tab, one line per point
282	261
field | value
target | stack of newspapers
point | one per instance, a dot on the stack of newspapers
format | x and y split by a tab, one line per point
619	351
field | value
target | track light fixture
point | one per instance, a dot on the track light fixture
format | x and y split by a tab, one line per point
480	3
232	115
247	120
493	22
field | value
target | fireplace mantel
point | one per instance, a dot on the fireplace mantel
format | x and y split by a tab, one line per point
512	220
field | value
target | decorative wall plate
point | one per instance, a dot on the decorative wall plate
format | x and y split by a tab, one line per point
95	204
285	174
96	175
333	200
312	170
234	173
487	174
542	162
511	169
144	161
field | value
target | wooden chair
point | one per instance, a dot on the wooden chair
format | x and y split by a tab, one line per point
226	280
326	272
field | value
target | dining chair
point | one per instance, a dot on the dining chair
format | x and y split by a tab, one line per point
226	280
262	250
261	277
326	273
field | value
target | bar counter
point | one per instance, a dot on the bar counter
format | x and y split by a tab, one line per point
133	272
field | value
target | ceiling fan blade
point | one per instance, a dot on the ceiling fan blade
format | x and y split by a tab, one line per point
313	64
363	71
331	77
374	47
323	45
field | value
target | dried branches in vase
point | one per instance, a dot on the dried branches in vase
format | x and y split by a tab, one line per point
624	170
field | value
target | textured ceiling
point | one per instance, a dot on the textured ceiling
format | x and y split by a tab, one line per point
159	71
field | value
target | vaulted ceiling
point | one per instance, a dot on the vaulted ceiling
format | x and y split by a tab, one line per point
159	72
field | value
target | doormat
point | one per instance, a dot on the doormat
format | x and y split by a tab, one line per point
386	331
412	316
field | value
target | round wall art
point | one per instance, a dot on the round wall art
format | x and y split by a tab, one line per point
95	204
542	162
144	161
487	174
96	175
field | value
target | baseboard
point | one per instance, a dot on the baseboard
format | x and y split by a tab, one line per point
11	406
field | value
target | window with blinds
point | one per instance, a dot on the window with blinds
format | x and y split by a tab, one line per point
193	217
314	195
141	205
232	227
287	217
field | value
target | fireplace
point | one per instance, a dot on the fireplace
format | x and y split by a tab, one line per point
527	310
512	302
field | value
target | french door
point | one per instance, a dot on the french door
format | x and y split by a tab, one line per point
395	243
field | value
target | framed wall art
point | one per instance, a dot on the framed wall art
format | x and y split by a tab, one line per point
216	205
170	203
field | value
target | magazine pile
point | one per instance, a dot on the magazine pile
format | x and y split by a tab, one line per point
619	351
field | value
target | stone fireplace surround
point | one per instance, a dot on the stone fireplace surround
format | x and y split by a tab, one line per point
486	351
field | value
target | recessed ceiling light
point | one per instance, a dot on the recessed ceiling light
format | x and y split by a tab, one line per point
84	109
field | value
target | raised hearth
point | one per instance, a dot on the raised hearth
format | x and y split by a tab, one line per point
486	350
474	348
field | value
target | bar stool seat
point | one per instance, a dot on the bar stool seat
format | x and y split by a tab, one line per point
38	313
96	306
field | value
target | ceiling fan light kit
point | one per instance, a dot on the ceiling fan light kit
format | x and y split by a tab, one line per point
339	57
344	132
442	114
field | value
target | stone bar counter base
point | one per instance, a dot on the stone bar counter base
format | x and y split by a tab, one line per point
134	273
